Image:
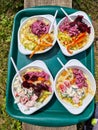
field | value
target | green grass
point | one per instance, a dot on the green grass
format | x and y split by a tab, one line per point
8	9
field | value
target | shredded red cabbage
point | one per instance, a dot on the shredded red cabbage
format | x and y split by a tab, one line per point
80	78
39	28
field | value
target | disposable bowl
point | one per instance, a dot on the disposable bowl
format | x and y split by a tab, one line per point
48	18
38	65
90	40
70	107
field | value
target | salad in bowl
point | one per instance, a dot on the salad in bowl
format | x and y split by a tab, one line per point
34	35
75	36
75	86
36	88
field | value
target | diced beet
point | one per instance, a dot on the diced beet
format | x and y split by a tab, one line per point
25	84
26	76
77	81
45	87
38	87
89	30
81	26
34	78
41	87
32	85
79	18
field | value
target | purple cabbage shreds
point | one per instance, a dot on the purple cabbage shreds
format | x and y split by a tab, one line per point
80	78
27	85
74	31
39	28
45	87
64	25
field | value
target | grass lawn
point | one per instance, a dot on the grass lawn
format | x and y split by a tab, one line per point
8	9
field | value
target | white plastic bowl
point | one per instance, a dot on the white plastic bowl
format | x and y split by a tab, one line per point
36	64
25	51
72	109
91	36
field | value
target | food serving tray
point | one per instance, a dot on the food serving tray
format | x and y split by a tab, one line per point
53	114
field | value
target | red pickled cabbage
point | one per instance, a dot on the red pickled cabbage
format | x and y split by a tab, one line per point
39	28
80	78
65	26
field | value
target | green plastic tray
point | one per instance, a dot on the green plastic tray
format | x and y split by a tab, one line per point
53	114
